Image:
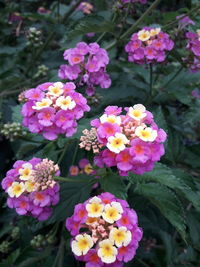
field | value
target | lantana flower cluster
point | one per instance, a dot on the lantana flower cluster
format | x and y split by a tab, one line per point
105	231
84	166
53	108
31	187
149	46
87	63
131	142
193	45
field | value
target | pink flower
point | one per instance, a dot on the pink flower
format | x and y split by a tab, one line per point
108	129
99	231
80	213
92	259
124	160
46	116
34	94
148	46
139	150
88	63
139	144
22	205
41	199
38	192
53	109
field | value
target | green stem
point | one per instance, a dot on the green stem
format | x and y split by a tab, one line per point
151	81
128	186
65	179
104	33
134	26
75	154
52	34
191	12
173	77
142	262
63	153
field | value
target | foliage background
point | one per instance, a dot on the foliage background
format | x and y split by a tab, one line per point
167	199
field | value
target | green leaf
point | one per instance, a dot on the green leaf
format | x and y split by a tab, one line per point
160	174
70	195
113	184
92	23
160	118
167	202
16	113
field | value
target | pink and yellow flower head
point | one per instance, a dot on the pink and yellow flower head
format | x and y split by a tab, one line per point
53	108
132	141
149	45
86	62
193	46
107	229
31	188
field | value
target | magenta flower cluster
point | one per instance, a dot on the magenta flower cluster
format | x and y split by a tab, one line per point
148	46
193	46
87	65
24	195
132	142
105	231
53	108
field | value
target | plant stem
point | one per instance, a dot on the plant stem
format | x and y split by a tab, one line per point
173	77
146	13
75	154
151	80
63	153
134	26
65	179
128	186
52	34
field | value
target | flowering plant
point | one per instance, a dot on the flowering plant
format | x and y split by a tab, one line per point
149	45
111	233
31	187
131	142
87	64
53	108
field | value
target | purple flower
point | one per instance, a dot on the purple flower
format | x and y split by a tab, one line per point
46	116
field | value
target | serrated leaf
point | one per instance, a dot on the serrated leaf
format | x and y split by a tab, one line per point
167	202
113	184
161	174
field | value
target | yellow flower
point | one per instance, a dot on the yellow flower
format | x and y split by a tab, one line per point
107	252
55	89
88	169
137	112
25	172
120	236
144	35
94	207
110	118
155	31
29	186
82	244
44	103
146	133
117	143
16	189
65	102
112	212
